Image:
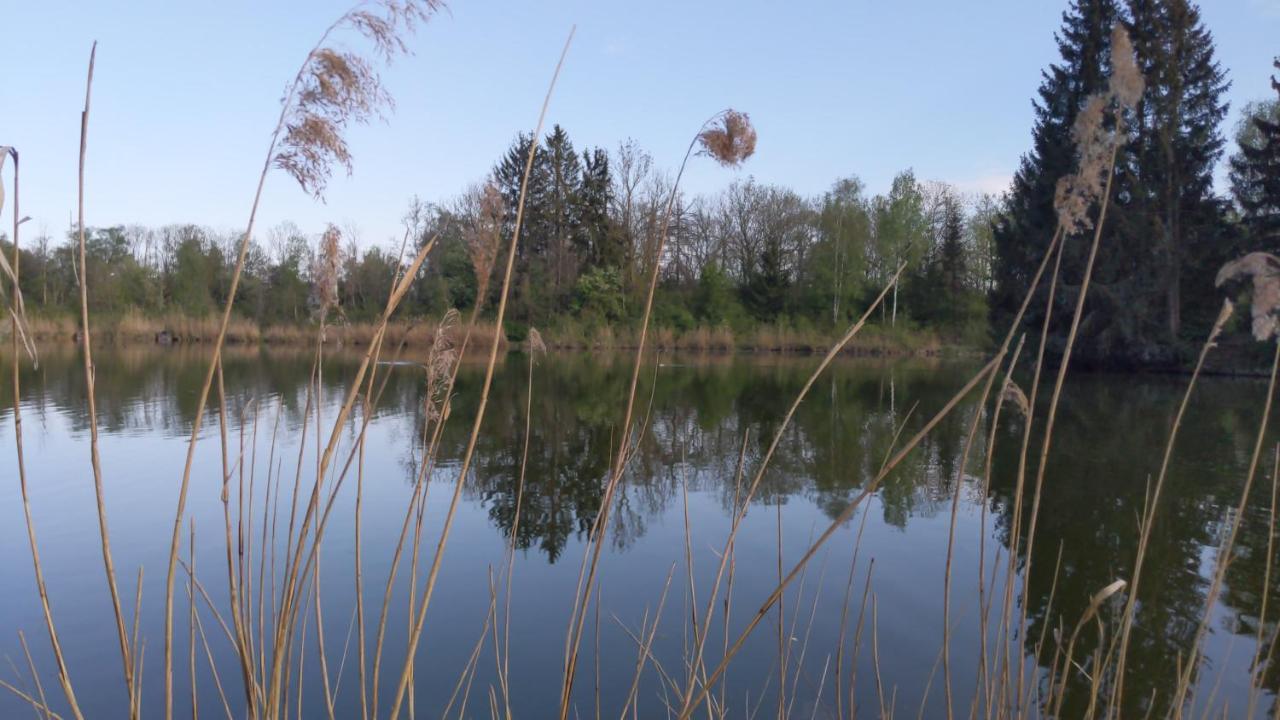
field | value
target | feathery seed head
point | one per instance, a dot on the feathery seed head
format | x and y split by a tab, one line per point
536	345
483	234
1264	269
440	363
1127	82
336	88
730	139
324	273
1014	394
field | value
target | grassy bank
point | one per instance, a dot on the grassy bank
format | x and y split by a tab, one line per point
872	341
133	328
136	329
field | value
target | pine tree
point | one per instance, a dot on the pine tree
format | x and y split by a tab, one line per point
1255	177
601	248
951	254
1165	229
564	175
530	276
1023	231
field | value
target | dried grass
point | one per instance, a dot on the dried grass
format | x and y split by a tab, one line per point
324	275
268	690
1264	270
1096	140
483	232
17	310
337	87
730	139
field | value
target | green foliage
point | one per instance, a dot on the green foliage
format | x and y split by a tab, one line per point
599	295
671	310
192	277
517	332
713	301
837	265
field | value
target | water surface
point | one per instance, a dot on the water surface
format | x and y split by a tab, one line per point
1110	434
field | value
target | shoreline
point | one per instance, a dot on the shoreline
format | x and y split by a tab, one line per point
178	330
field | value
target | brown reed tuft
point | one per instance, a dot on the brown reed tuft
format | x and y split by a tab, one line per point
1014	395
483	234
1264	269
440	363
536	345
730	139
338	87
324	274
1096	140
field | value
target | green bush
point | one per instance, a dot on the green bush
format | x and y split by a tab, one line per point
599	295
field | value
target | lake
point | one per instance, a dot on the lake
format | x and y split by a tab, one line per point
695	414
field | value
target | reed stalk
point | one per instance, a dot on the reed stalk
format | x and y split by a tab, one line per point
126	653
46	610
465	466
1228	546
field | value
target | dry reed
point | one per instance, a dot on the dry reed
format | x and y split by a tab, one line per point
126	651
335	88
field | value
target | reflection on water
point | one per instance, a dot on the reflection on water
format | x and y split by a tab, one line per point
1110	434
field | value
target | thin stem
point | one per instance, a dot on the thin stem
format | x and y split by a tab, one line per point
89	374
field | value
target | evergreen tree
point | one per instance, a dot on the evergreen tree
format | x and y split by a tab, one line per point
765	290
564	175
1255	175
951	252
1165	230
1176	147
1023	231
601	246
508	174
530	272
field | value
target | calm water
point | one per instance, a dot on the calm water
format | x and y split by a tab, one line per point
1110	435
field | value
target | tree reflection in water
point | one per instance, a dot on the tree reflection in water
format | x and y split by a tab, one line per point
696	412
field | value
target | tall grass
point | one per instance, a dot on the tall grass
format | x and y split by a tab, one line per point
274	533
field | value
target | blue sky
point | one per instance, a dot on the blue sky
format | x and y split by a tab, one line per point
186	93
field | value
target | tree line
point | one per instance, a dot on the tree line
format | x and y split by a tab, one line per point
755	253
749	254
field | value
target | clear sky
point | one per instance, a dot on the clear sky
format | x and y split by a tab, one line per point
186	93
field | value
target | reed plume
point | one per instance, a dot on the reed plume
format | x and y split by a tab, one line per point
1096	139
483	234
441	360
1264	269
338	87
536	344
729	138
331	89
324	274
1014	395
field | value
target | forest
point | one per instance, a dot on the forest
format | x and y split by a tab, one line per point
756	254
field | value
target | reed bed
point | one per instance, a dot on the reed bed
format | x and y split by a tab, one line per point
273	533
178	328
873	341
